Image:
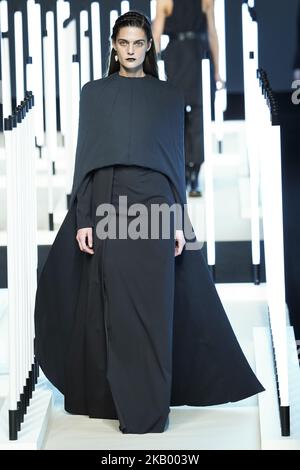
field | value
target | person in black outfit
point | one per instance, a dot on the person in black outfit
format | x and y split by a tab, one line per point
192	34
128	326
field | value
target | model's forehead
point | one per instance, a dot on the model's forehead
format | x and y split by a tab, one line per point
131	32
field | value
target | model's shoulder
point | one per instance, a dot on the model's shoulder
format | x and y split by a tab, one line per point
101	81
94	84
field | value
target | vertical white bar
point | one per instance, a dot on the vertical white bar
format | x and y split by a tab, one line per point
30	68
208	169
221	95
125	6
270	158
63	11
112	17
33	75
34	254
18	254
5	65
11	189
22	201
75	92
273	234
17	292
72	102
84	49
221	30
250	87
27	222
36	82
50	103
96	40
23	249
19	56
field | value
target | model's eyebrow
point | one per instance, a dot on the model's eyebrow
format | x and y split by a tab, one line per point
121	39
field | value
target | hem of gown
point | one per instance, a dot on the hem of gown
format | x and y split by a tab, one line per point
221	401
158	428
104	415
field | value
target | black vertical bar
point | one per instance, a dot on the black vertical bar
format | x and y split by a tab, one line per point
27	390
19	414
13	425
22	407
256	274
51	222
31	381
36	370
285	420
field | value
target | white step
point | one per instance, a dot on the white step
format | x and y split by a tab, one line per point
33	429
271	438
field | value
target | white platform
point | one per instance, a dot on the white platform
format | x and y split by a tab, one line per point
248	424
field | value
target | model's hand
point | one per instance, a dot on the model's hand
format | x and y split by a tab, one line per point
82	235
179	242
220	84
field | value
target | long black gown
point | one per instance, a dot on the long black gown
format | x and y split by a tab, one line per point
131	330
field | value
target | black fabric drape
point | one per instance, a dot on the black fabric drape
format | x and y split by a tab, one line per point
72	315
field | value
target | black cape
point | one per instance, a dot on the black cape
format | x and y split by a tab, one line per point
137	121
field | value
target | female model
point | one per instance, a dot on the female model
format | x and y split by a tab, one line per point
117	330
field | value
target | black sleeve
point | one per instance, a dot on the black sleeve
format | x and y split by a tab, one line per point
84	201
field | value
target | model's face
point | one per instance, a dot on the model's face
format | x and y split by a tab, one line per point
131	42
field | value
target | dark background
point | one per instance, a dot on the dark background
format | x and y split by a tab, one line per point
277	42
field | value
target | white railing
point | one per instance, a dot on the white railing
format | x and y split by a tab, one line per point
250	61
264	155
21	258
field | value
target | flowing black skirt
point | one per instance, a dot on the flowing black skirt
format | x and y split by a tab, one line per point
131	330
